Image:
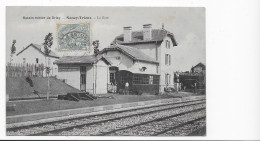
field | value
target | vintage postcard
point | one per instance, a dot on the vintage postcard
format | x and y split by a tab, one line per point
105	71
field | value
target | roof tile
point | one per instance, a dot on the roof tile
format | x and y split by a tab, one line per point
137	37
132	52
80	59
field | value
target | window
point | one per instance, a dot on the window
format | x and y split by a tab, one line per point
137	79
151	80
167	79
145	79
37	60
24	60
168	44
156	79
167	59
141	79
112	78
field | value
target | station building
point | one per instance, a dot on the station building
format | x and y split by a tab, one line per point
143	59
132	66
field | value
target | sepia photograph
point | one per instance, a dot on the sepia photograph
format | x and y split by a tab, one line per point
105	71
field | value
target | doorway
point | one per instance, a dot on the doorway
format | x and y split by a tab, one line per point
83	78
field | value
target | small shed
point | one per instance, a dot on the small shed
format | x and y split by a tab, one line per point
88	73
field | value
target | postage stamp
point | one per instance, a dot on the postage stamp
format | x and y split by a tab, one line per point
73	37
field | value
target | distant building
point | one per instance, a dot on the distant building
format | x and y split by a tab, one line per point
196	75
142	57
34	54
199	68
87	73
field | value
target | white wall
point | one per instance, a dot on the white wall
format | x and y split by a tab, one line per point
126	63
30	55
102	77
89	79
166	68
72	77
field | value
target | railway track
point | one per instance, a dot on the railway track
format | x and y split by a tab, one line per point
58	127
146	127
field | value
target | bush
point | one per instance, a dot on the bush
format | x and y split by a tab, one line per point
29	80
138	92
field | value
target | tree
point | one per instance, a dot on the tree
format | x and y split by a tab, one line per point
13	49
96	45
48	41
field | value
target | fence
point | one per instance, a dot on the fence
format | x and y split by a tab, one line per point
22	69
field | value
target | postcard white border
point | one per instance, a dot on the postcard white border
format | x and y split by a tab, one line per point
232	54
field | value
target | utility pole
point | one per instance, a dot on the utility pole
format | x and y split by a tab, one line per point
96	51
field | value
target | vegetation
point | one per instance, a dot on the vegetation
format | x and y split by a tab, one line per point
13	50
48	41
96	46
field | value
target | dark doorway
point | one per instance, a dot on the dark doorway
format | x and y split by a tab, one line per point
83	78
122	77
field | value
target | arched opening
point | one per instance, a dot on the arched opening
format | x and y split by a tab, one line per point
122	77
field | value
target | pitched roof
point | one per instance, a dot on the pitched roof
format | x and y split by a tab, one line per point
137	37
200	65
38	47
131	52
88	59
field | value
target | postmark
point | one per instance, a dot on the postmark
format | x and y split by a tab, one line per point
74	36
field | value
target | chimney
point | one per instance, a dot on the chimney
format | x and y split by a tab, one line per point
147	31
127	34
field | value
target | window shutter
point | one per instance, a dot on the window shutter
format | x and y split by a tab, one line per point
169	78
169	59
166	59
166	78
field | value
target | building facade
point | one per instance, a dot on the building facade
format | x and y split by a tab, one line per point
34	54
132	66
199	68
157	44
87	73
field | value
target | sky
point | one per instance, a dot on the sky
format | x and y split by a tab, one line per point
186	23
